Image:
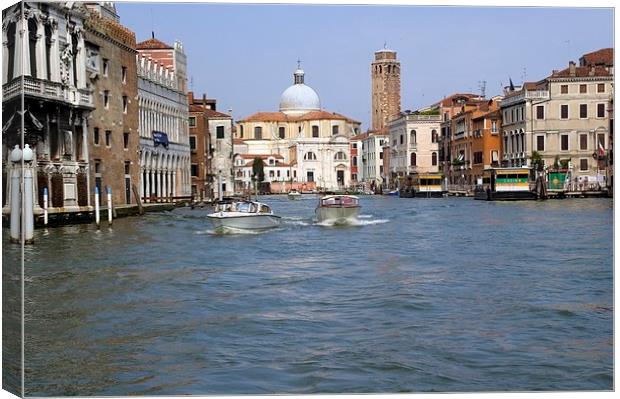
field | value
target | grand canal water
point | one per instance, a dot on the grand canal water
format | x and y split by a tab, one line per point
423	295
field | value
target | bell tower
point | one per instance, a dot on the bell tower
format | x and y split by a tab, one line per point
385	77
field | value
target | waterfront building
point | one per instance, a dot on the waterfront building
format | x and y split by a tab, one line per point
448	107
414	144
163	120
357	171
45	45
486	138
278	173
462	144
314	141
563	118
385	82
113	140
200	147
372	158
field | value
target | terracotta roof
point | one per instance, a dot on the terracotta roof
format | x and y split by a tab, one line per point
384	130
582	72
448	100
196	108
282	117
215	114
261	156
603	56
359	137
153	44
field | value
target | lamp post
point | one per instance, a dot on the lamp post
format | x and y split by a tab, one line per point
28	156
19	208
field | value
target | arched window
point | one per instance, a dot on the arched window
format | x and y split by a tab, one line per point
434	158
434	136
310	156
48	50
413	159
315	131
258	132
10	35
32	44
340	156
413	137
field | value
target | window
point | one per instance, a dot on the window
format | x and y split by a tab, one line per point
192	122
583	164
241	131
402	139
124	75
412	137
127	167
281	132
564	142
564	89
315	131
354	161
310	176
564	111
583	141
477	157
271	174
600	87
540	143
124	104
354	145
125	140
583	88
340	156
381	155
600	110
334	129
106	98
108	138
600	139
583	111
413	159
258	132
540	112
310	156
192	143
434	158
493	126
219	132
434	136
96	135
194	170
105	67
97	165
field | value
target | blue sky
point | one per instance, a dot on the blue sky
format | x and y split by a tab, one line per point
245	55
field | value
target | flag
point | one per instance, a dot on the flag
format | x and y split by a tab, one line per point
601	149
461	157
512	86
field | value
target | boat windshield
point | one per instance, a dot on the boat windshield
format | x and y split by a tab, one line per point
265	209
244	207
339	201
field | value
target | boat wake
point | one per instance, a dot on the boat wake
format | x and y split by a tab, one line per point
222	231
365	216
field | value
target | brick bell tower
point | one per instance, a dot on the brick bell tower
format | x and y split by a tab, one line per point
385	76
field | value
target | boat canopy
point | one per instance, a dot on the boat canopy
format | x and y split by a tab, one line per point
340	200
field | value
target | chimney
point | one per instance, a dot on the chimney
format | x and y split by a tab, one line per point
571	68
190	97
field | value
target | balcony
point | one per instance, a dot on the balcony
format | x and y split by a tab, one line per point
528	95
413	146
48	90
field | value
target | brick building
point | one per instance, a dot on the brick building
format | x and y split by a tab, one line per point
200	146
113	125
385	80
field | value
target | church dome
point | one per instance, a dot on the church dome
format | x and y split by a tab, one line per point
299	98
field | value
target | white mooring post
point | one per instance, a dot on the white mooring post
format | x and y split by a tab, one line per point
109	190
97	205
45	217
16	157
28	155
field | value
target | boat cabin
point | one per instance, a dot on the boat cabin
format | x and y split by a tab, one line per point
344	201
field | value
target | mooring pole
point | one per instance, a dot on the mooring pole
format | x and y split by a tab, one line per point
97	205
109	190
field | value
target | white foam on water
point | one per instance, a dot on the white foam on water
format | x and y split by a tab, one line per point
365	216
369	222
220	231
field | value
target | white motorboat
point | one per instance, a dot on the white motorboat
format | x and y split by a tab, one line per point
245	215
338	209
294	195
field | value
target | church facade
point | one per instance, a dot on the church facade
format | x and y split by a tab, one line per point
313	143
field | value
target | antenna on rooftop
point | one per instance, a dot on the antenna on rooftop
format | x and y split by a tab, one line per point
152	24
524	75
298	63
191	83
482	84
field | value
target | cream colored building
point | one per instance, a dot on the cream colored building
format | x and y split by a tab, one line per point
562	117
414	144
313	141
372	159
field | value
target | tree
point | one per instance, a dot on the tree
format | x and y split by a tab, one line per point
536	161
258	172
